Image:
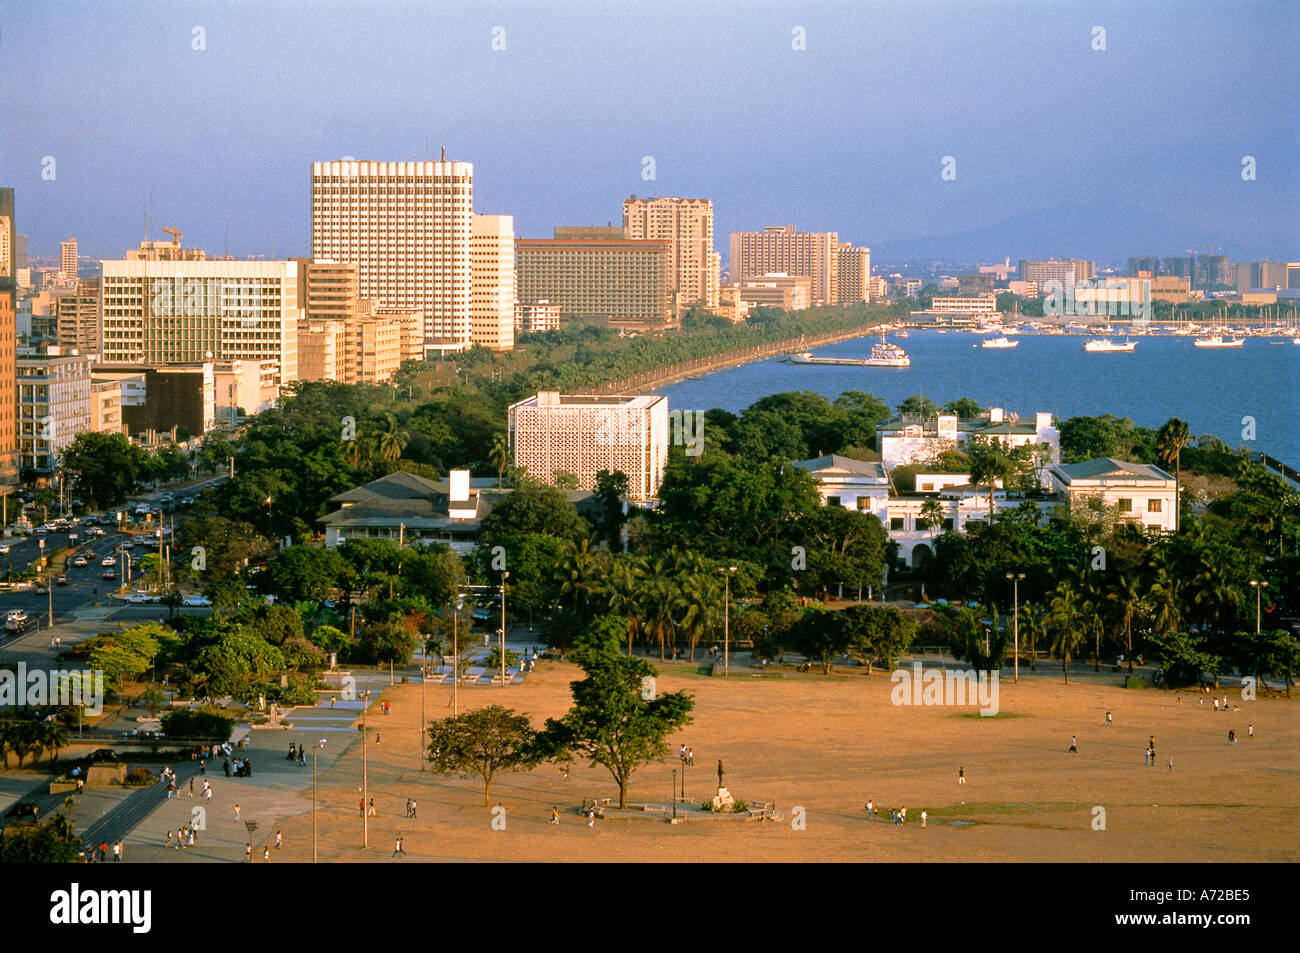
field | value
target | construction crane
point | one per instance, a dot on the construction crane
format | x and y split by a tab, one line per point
176	235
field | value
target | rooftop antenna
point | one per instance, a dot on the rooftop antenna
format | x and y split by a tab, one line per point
444	153
225	230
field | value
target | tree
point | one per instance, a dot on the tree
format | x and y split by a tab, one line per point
932	514
918	406
615	721
50	843
153	699
1128	601
303	573
104	468
483	742
1062	617
499	456
611	491
1171	438
187	724
392	441
876	632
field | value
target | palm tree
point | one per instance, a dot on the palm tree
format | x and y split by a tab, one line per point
356	453
54	738
1220	599
1128	602
624	594
1062	617
1165	598
660	599
701	597
579	575
1093	609
989	464
499	456
1031	620
392	441
932	513
1172	436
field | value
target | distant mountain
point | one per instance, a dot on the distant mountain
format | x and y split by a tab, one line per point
1105	232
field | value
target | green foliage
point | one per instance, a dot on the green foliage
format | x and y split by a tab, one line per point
186	724
484	742
104	468
52	842
613	722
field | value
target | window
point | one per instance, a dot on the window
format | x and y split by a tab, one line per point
833	501
896	522
1125	505
1153	505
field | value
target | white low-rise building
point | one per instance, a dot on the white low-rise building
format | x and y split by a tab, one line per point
1140	492
911	439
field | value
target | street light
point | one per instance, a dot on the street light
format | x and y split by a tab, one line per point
455	655
314	752
1015	578
365	775
1258	585
726	619
504	576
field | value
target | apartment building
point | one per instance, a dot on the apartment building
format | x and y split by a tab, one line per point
54	404
68	260
617	281
854	274
580	434
76	316
1066	271
784	249
492	295
693	264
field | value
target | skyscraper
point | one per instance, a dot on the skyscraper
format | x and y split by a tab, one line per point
782	249
855	274
68	260
407	226
8	315
693	265
492	300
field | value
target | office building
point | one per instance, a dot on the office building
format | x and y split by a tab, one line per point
552	434
8	340
854	274
106	405
787	292
1261	275
158	400
785	250
165	251
1067	271
975	284
165	313
68	260
1139	264
492	295
53	402
407	226
537	318
693	265
617	282
1213	272
76	316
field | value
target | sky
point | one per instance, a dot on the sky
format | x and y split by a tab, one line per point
826	115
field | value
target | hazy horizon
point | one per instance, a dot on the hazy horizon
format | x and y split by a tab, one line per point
848	134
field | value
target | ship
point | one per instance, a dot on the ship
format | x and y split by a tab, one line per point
883	354
998	342
1106	345
1218	340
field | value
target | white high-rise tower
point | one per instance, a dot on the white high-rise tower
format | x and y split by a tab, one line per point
408	228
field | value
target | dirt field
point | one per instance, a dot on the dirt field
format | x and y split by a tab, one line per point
826	745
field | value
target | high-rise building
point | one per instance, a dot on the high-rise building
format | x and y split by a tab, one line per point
1149	264
492	297
622	282
550	435
782	249
165	251
68	260
1180	267
855	274
1067	271
54	404
76	316
1269	275
164	313
693	265
8	337
407	226
1213	272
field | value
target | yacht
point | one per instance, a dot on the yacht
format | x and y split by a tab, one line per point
1218	340
998	342
1106	345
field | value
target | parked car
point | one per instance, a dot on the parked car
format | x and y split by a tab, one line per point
139	598
195	602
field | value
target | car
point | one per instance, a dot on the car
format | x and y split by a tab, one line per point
138	598
108	561
95	531
79	561
90	520
126	545
41	588
16	620
4	550
61	579
45	528
108	574
195	602
103	756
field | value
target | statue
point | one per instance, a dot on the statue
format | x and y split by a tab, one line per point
719	772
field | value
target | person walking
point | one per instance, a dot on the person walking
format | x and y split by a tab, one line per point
961	775
279	839
591	817
1171	764
870	808
117	851
266	855
1232	736
397	848
248	853
236	813
555	814
361	807
1107	719
1250	731
1146	756
924	816
1074	745
1216	706
413	814
902	814
377	744
372	812
203	766
191	787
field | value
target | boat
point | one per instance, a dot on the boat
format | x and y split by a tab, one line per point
1106	345
1218	340
998	342
883	354
903	334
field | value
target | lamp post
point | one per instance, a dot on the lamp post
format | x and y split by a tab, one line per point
314	752
1256	584
365	775
726	619
675	793
504	576
1015	578
455	656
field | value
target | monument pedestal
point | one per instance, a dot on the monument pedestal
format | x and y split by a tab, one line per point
723	801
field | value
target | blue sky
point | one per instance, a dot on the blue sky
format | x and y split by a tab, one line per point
847	134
